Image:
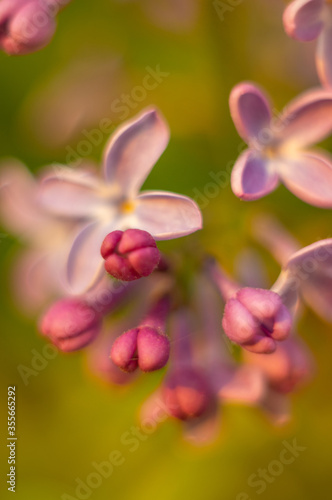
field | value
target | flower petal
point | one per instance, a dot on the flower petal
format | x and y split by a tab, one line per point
166	215
253	176
323	53
310	271
309	176
31	280
134	149
70	193
19	211
306	120
303	19
250	110
85	265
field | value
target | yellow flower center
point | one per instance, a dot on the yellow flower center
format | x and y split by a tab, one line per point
127	207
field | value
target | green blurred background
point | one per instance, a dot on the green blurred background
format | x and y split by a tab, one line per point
65	418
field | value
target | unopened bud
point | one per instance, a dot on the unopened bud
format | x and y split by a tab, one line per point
256	319
70	324
130	255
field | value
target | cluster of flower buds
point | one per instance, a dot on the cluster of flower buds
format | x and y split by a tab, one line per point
27	25
183	320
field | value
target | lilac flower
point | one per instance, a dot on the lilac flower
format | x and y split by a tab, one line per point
115	202
307	20
130	255
278	147
27	25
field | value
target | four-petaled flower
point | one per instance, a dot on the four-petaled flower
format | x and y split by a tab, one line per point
115	203
306	20
278	147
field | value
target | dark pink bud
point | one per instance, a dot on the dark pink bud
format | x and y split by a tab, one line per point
27	26
130	255
153	349
146	346
124	351
71	324
256	319
186	393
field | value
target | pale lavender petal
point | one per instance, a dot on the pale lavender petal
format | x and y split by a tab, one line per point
166	215
324	53
303	19
70	193
253	176
134	149
306	120
309	176
250	110
85	266
310	271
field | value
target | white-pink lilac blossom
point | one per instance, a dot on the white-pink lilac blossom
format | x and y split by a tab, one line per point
114	201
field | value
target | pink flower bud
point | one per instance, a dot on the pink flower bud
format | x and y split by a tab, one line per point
256	319
71	324
186	393
27	25
130	255
144	347
124	351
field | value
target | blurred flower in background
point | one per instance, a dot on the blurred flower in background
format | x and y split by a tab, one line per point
173	15
72	103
